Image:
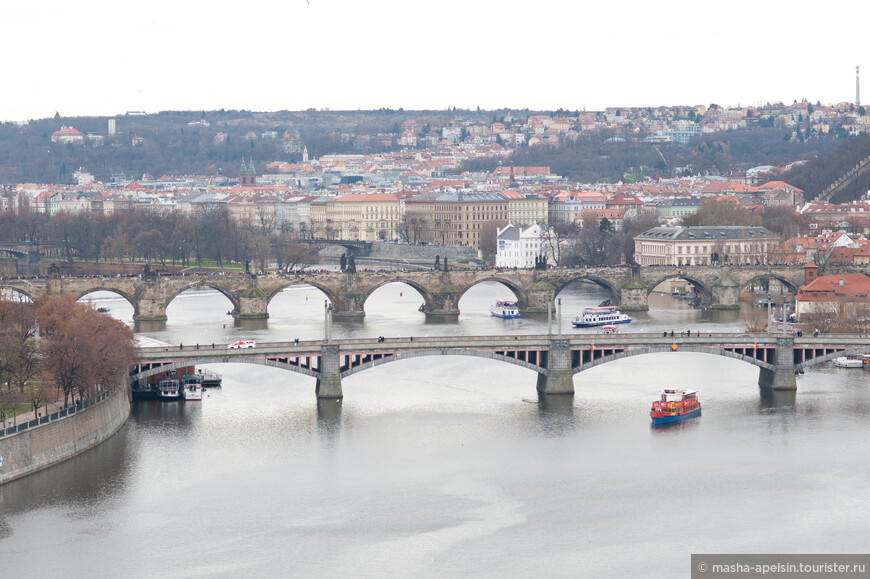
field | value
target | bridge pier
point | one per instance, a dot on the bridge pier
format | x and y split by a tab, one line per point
726	294
538	297
251	304
444	306
633	297
782	376
329	381
349	305
560	376
150	310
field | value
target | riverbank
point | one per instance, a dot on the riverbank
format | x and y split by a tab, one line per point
58	437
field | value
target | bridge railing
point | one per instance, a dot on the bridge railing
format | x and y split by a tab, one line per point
84	404
501	340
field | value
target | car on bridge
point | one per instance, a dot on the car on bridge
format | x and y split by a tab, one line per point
242	344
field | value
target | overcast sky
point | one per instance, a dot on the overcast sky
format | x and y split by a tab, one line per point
100	57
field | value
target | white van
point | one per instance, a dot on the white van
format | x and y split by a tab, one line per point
242	344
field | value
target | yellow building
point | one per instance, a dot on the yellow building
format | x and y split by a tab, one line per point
459	218
367	216
526	209
323	225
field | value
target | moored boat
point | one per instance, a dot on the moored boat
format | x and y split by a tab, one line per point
168	389
505	309
192	387
210	379
674	406
600	316
849	362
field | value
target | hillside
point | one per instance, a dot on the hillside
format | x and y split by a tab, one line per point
603	158
213	142
164	143
821	171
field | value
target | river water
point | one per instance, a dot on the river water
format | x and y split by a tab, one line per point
450	466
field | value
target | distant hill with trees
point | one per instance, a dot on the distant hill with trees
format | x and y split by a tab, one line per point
187	142
164	143
819	172
605	157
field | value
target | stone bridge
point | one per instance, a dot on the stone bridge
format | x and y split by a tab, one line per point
26	255
555	358
629	288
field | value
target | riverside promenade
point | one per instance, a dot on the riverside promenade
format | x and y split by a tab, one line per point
48	440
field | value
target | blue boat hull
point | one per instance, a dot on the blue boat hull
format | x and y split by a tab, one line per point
663	420
507	316
593	324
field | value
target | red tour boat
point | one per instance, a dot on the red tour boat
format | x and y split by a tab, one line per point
674	406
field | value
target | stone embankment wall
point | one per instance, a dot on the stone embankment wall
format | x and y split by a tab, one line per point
48	444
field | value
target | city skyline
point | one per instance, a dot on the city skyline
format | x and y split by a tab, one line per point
92	59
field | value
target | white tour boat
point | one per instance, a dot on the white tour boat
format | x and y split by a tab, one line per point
505	309
849	362
192	387
168	389
600	316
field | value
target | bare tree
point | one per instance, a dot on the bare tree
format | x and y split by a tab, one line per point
37	392
556	239
86	351
20	358
411	227
489	239
756	320
299	256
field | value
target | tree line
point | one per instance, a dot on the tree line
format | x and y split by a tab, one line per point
58	349
140	235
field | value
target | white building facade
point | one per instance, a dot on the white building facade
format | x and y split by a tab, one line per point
520	248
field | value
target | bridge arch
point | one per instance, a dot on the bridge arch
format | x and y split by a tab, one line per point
428	299
330	295
6	290
522	297
705	292
792	288
833	356
130	299
442	352
229	294
664	348
13	253
218	359
610	288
